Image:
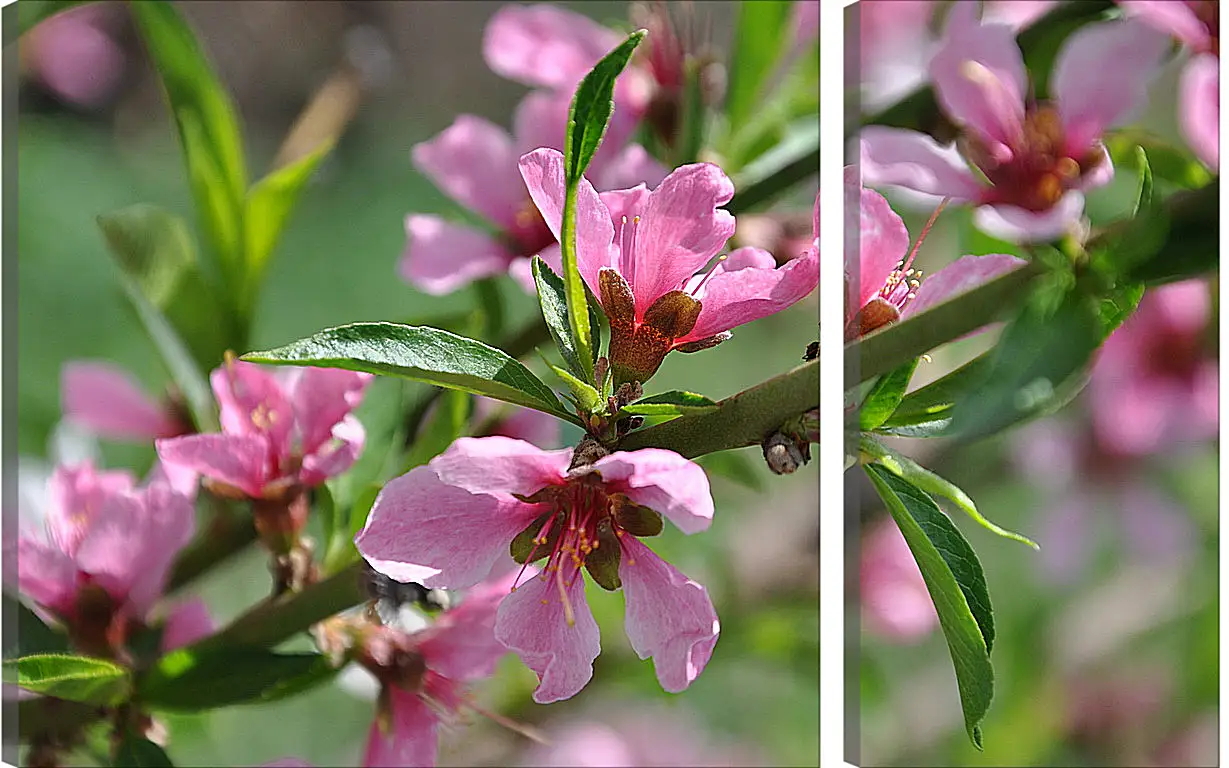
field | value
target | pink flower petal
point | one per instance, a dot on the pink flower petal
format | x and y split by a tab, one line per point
962	275
77	59
883	242
449	536
681	230
900	157
500	465
1199	108
346	443
540	120
474	162
543	172
532	622
1017	14
183	480
74	495
669	616
1176	19
167	521
733	297
238	460
895	602
114	550
441	257
44	574
979	76
321	397
412	741
106	400
1017	225
662	481
544	45
253	402
189	621
1100	175
1101	78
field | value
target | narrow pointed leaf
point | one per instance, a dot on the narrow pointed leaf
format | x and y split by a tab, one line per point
136	751
74	678
553	299
672	403
267	208
193	679
588	117
421	354
957	586
922	478
884	397
586	396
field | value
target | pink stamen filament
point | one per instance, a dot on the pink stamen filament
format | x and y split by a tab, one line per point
627	242
709	273
925	231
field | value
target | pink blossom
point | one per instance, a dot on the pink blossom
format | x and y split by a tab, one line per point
475	163
106	550
1036	161
881	285
639	252
805	22
895	602
1196	24
551	47
424	675
188	622
1154	387
446	523
104	399
74	54
278	431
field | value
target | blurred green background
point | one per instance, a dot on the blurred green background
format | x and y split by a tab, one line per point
337	264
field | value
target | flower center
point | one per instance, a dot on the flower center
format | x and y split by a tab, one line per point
581	528
529	233
1038	169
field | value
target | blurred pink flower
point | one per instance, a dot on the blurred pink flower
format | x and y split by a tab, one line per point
445	524
895	42
279	432
639	252
1154	387
188	622
551	47
105	553
106	400
896	605
888	288
1196	24
633	736
475	163
74	54
423	676
1036	160
805	22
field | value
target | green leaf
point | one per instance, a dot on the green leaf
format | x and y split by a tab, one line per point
931	406
1192	246
1167	162
672	403
1143	235
136	751
191	679
957	586
927	481
588	117
30	13
587	398
552	298
760	39
208	129
885	396
156	250
267	208
446	423
420	354
592	106
1041	361
74	678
